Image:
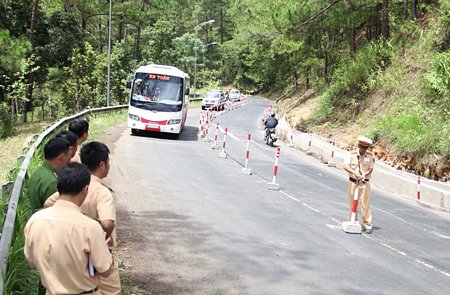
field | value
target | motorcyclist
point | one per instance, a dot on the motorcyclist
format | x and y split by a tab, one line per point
270	123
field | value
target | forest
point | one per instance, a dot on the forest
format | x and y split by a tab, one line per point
389	56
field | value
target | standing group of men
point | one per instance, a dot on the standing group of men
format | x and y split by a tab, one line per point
71	235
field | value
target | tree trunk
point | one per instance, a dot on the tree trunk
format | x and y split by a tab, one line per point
414	7
43	110
352	31
353	39
325	66
221	26
378	21
120	37
30	85
294	76
308	76
100	43
137	44
405	9
2	95
385	19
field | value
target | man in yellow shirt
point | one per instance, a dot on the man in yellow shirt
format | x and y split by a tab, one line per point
67	247
99	204
81	128
359	165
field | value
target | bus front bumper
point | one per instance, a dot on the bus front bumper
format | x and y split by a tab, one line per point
154	126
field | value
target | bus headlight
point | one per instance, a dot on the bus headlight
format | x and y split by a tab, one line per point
134	117
173	121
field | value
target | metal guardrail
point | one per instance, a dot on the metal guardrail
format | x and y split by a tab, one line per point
8	226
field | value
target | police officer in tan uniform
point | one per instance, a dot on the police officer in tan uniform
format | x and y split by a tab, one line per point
72	138
359	164
81	128
99	204
62	243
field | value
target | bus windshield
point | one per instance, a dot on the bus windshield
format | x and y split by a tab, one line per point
156	92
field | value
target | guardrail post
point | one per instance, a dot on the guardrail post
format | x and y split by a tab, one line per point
20	159
7	189
332	163
309	151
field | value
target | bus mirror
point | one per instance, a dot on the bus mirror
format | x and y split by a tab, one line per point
186	92
129	83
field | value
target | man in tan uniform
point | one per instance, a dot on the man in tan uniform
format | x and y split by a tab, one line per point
99	204
62	243
81	128
72	138
359	164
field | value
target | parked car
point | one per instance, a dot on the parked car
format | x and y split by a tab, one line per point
214	99
235	95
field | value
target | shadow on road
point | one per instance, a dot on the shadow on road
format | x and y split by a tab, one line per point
189	133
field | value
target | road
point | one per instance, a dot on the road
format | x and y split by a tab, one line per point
192	223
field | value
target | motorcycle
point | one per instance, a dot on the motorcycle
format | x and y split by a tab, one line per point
270	137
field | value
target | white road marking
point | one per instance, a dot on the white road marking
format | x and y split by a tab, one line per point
433	268
441	235
393	249
412	224
399	252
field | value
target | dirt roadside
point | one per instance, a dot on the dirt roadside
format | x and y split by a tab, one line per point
126	236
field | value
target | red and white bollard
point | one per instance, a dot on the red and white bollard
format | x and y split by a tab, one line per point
418	187
291	141
207	128
214	145
332	163
273	185
352	226
309	151
245	170
222	153
200	127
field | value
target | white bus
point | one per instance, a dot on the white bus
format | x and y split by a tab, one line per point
159	99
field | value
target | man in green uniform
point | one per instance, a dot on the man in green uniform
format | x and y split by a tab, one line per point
42	182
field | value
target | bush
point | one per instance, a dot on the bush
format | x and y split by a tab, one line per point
438	80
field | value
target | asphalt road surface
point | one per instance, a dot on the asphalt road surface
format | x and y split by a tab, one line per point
192	223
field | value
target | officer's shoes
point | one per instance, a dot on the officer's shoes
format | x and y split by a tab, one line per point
367	228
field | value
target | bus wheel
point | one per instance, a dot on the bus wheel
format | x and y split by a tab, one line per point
134	131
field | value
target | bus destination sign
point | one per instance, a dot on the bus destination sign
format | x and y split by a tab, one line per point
159	77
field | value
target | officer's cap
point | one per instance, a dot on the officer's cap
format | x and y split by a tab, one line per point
364	141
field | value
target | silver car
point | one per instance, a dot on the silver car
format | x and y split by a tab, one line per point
213	100
235	95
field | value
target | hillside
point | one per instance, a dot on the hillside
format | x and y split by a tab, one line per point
395	109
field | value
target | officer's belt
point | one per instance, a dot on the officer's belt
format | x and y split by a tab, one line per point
89	292
355	180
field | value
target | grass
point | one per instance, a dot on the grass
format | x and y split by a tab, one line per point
11	147
98	124
195	104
